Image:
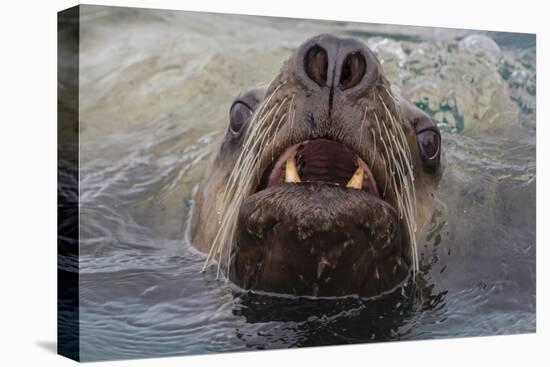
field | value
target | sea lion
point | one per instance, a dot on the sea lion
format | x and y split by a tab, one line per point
322	179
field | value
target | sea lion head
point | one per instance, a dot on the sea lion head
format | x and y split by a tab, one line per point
322	179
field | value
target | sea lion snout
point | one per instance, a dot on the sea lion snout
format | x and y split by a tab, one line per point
319	240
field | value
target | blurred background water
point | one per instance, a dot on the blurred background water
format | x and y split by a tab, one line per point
155	90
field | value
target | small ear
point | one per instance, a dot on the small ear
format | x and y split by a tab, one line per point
252	96
418	119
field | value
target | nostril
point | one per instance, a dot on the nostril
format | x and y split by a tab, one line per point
353	70
316	65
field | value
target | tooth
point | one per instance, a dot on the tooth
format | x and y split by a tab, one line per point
356	181
291	173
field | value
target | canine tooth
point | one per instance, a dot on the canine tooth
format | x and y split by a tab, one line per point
291	172
356	181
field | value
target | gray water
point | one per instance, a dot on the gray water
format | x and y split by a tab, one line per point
156	87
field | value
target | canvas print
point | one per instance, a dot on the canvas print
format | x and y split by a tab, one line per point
238	183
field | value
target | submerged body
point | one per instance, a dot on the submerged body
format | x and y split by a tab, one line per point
322	179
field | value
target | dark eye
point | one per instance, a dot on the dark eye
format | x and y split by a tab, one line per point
239	114
429	144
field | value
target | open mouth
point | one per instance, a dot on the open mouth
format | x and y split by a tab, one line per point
318	225
321	161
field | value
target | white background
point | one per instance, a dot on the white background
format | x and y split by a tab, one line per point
28	181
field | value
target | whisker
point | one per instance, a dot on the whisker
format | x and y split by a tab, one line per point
402	183
265	125
374	147
361	128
